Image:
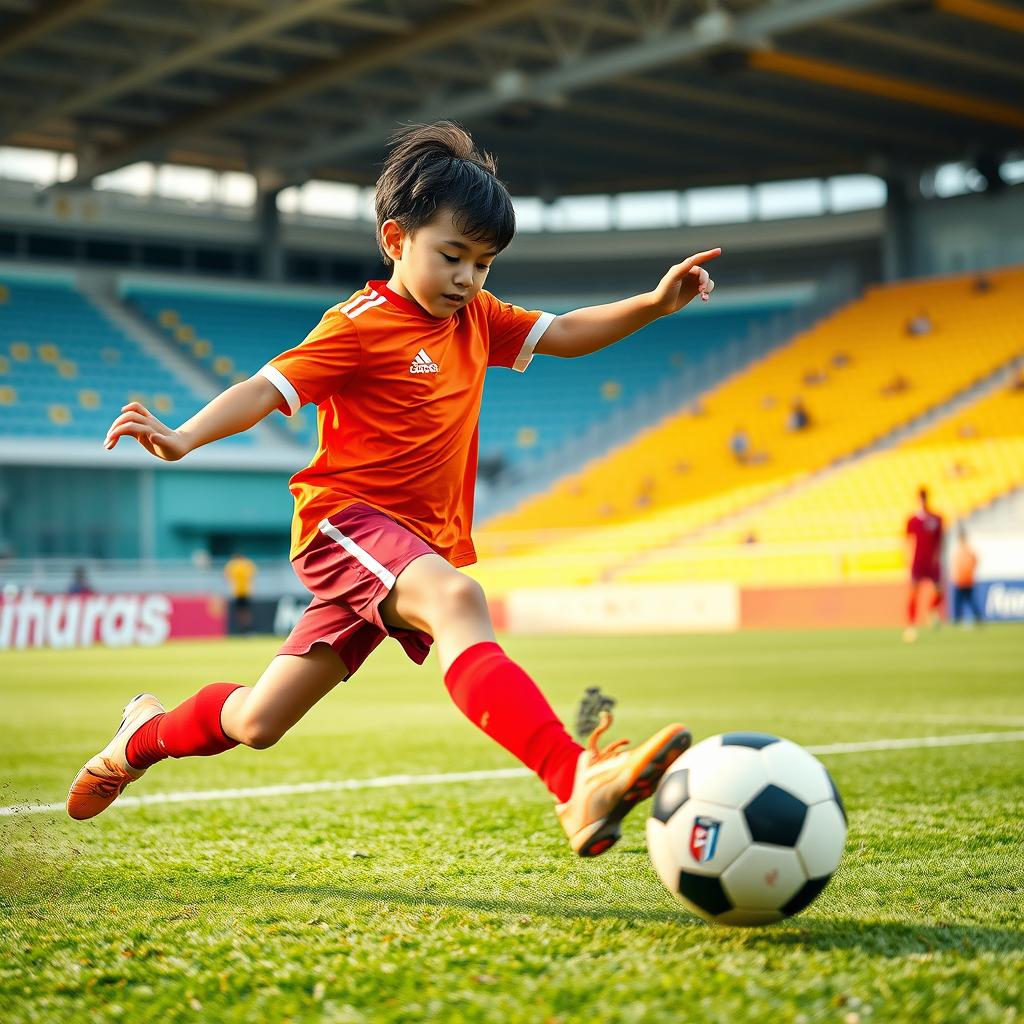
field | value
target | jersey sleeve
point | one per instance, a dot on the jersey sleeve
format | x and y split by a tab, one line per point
318	367
513	332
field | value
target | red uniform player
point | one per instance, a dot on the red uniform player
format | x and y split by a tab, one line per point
924	552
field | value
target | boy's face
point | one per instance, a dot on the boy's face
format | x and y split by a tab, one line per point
436	265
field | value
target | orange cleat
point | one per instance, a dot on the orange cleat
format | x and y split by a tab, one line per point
611	782
103	778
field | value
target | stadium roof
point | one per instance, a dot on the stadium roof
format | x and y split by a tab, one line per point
575	96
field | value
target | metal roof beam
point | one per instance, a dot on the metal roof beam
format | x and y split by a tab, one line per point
888	87
30	28
748	30
442	30
996	15
253	30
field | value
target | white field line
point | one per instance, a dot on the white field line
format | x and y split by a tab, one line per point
397	781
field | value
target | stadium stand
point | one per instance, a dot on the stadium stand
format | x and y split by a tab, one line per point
858	373
786	524
232	335
66	370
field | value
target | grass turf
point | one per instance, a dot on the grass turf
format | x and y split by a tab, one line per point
461	902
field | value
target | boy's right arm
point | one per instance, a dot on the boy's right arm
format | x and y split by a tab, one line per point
232	412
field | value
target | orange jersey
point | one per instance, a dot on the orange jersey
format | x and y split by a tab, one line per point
965	561
398	401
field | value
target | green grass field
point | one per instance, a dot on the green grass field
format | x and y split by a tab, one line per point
461	901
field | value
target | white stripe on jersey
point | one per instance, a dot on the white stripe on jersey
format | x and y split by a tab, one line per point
367	305
349	306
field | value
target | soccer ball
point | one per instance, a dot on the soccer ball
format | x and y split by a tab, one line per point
746	828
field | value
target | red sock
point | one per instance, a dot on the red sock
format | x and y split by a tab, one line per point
191	729
912	608
936	600
496	695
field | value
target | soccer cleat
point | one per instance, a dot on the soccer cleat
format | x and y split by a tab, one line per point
103	778
909	635
611	782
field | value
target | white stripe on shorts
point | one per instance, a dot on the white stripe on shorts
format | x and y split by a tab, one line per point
364	557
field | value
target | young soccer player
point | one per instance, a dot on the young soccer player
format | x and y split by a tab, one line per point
383	512
924	554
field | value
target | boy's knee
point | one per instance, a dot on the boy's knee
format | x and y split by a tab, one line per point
462	596
257	733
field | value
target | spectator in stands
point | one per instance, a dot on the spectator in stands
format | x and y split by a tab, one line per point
920	325
1017	379
739	445
981	284
239	571
80	582
799	418
841	359
965	562
896	385
813	377
924	554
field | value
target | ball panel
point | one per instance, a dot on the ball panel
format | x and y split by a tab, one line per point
755	740
673	792
793	769
749	918
775	816
821	843
659	846
731	777
706	838
807	895
838	799
703	895
764	878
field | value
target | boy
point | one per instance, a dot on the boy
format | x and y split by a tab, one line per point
924	553
383	512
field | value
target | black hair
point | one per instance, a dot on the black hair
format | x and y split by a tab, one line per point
431	167
922	493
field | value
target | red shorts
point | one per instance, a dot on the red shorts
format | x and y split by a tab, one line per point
350	568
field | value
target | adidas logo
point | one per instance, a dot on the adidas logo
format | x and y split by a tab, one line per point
423	364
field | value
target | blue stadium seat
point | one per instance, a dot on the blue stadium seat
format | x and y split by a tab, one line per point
72	347
556	401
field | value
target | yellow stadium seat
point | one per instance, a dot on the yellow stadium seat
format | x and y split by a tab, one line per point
223	365
5	365
5	293
779	518
59	414
202	349
169	317
526	437
185	333
89	399
8	396
611	390
20	351
67	368
48	353
162	403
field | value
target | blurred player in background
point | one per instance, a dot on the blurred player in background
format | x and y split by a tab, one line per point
924	554
383	513
240	571
965	563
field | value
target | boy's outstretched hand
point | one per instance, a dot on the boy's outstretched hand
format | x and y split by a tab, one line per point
157	438
685	281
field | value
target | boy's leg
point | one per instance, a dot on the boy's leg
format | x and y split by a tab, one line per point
217	718
595	789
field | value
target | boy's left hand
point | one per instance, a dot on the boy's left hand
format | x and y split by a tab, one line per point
684	282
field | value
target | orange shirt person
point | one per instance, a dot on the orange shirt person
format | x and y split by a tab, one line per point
384	510
964	566
240	571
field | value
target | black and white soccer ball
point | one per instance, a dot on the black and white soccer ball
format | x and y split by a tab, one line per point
746	828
